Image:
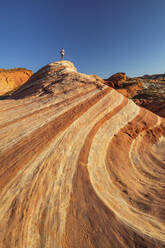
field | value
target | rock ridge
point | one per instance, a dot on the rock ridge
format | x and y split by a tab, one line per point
80	165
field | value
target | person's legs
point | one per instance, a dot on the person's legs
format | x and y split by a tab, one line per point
62	56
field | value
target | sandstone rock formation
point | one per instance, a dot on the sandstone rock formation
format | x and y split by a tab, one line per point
80	166
12	79
144	91
116	80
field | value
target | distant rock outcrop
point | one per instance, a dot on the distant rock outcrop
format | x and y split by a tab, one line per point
123	84
147	91
116	80
81	166
12	79
154	77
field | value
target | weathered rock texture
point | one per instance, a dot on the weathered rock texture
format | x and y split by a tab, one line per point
80	166
12	79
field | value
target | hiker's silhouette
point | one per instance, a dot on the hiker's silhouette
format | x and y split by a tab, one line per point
62	53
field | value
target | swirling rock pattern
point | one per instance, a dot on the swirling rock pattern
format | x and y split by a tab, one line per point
80	165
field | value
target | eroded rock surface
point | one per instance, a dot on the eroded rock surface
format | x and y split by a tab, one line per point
80	165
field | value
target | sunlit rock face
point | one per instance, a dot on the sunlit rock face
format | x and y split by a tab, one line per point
12	79
80	165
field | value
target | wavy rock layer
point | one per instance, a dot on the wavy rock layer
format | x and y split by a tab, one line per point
80	165
12	79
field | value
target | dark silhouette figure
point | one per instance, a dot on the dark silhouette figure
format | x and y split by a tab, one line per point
62	53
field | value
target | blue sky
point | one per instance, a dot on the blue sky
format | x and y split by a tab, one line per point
99	36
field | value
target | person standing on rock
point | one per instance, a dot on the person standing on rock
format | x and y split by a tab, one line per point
62	54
